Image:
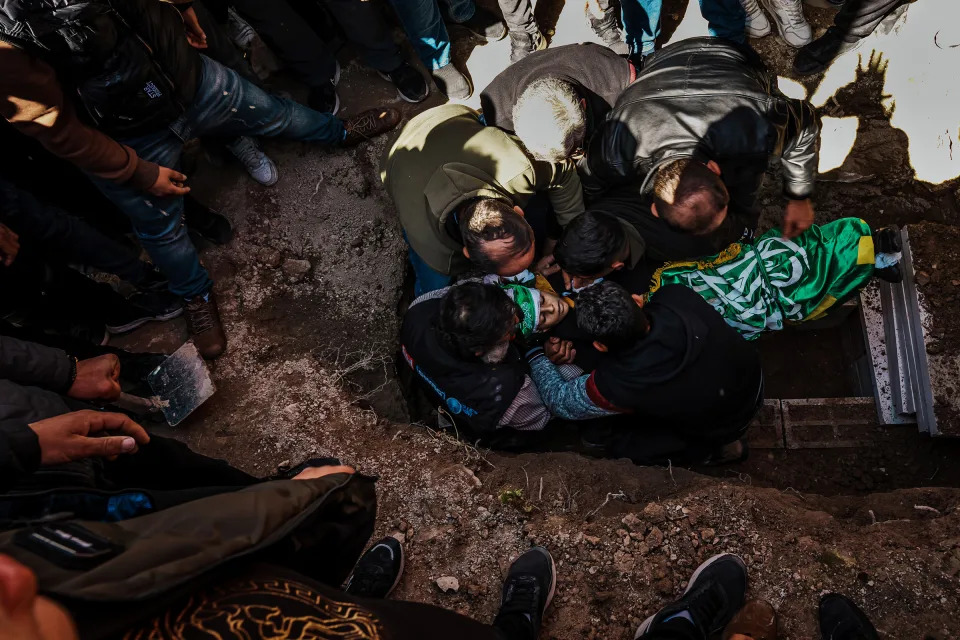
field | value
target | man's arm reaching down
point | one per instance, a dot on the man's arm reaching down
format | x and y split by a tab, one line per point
801	150
565	398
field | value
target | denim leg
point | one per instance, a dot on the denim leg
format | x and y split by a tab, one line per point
427	279
727	19
159	221
460	10
641	24
366	28
424	25
228	105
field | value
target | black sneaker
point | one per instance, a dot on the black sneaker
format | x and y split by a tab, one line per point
892	274
452	83
143	307
523	44
205	222
485	24
527	592
410	84
378	571
153	280
840	619
715	593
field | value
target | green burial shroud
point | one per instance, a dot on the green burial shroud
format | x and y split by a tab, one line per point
760	287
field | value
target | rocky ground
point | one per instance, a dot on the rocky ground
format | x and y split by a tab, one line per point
309	290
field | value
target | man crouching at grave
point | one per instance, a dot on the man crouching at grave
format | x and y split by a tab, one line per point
684	383
460	343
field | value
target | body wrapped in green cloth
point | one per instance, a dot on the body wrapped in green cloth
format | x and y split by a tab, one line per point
760	287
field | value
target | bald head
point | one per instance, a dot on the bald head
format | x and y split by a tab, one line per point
690	196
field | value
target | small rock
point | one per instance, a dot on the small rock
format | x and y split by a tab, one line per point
922	278
707	534
296	269
632	522
591	539
654	538
270	258
448	584
664	586
284	466
655	512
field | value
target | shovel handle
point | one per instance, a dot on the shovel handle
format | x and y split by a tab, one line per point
135	404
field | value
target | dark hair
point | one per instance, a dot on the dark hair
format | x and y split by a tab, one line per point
475	317
607	313
486	219
590	243
688	195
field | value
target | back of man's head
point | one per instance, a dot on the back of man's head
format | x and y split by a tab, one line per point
549	119
475	318
689	196
609	315
495	235
590	244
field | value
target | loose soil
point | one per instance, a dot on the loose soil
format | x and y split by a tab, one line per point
309	290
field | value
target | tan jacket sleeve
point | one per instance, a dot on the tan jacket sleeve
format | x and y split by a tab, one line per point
562	184
32	99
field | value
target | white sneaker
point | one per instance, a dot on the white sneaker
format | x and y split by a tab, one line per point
792	25
757	23
255	161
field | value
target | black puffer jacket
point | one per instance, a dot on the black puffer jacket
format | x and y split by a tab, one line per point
129	61
710	99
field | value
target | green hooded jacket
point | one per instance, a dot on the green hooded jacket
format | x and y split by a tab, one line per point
444	157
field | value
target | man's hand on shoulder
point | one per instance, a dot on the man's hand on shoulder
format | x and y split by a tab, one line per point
87	434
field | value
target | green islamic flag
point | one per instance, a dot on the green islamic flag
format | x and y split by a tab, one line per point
760	287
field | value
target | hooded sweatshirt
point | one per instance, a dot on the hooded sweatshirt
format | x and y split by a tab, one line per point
445	157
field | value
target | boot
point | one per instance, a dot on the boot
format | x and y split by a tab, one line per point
369	124
523	44
203	322
608	30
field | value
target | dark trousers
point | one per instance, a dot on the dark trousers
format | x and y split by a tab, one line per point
858	18
286	28
56	234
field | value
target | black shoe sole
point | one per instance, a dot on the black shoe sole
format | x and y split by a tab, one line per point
403	96
139	322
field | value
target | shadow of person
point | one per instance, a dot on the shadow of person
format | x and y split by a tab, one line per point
876	180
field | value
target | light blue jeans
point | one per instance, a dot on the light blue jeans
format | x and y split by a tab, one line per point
641	21
225	105
423	22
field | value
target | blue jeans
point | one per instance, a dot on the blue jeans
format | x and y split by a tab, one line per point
427	279
641	21
225	105
423	22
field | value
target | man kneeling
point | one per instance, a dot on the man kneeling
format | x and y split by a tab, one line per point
688	381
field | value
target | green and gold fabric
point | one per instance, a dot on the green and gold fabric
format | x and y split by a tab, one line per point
774	281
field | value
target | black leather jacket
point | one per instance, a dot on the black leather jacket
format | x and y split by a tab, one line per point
711	99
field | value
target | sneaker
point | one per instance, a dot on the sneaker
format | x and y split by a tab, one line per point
713	597
527	592
817	56
757	621
152	280
887	240
255	161
378	571
240	32
758	25
840	619
411	87
792	25
485	24
608	30
369	124
143	307
825	4
203	323
452	83
205	222
523	44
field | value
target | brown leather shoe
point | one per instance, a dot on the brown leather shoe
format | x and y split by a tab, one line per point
369	124
757	620
203	322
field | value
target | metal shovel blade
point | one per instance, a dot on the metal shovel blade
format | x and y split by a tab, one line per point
181	384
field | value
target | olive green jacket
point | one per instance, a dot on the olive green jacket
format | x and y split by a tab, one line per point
444	157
